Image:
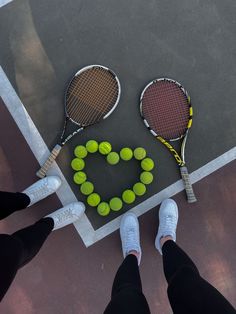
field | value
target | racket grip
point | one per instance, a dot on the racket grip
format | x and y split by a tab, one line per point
187	185
43	170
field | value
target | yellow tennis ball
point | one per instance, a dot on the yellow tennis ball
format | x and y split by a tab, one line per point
92	146
139	153
80	177
128	196
77	164
87	188
147	164
116	203
146	177
113	158
139	189
103	209
93	199
104	148
80	151
126	153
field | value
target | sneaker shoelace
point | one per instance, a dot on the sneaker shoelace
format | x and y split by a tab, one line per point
169	223
39	191
131	238
67	214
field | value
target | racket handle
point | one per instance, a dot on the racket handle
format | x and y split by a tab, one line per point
43	170
187	185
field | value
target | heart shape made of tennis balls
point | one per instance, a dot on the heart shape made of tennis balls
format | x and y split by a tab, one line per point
105	148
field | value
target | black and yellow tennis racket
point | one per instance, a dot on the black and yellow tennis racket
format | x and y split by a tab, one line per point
91	96
167	112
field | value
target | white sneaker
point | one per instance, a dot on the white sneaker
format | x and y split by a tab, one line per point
129	234
168	219
42	188
67	215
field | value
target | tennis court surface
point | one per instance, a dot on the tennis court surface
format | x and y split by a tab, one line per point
42	46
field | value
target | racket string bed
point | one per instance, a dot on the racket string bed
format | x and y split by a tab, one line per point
94	100
82	114
102	107
80	110
93	109
166	130
160	126
167	118
88	114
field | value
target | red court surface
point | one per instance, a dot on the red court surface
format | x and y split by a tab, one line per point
66	277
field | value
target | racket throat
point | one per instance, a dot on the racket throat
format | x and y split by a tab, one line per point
177	157
63	141
68	128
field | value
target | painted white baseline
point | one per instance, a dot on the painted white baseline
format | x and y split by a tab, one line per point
4	2
65	194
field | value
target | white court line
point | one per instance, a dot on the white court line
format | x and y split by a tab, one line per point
65	194
40	150
4	2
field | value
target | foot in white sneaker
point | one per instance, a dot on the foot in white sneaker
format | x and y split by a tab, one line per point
67	215
42	188
168	219
129	234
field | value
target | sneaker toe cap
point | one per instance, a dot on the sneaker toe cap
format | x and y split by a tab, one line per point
54	182
129	219
78	208
169	206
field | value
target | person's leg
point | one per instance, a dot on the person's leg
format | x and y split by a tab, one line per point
18	249
127	275
188	292
11	202
33	237
127	296
10	255
174	258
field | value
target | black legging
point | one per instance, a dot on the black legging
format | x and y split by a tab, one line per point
187	291
127	296
11	202
18	249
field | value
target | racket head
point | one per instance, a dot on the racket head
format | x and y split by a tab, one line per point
92	95
166	109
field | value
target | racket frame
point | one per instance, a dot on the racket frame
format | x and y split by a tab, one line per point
180	158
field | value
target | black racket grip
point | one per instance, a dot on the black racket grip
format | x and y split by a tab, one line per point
187	185
43	170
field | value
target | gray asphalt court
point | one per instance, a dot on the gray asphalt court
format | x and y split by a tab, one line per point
45	42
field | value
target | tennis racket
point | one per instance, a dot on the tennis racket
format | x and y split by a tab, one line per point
91	96
167	112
